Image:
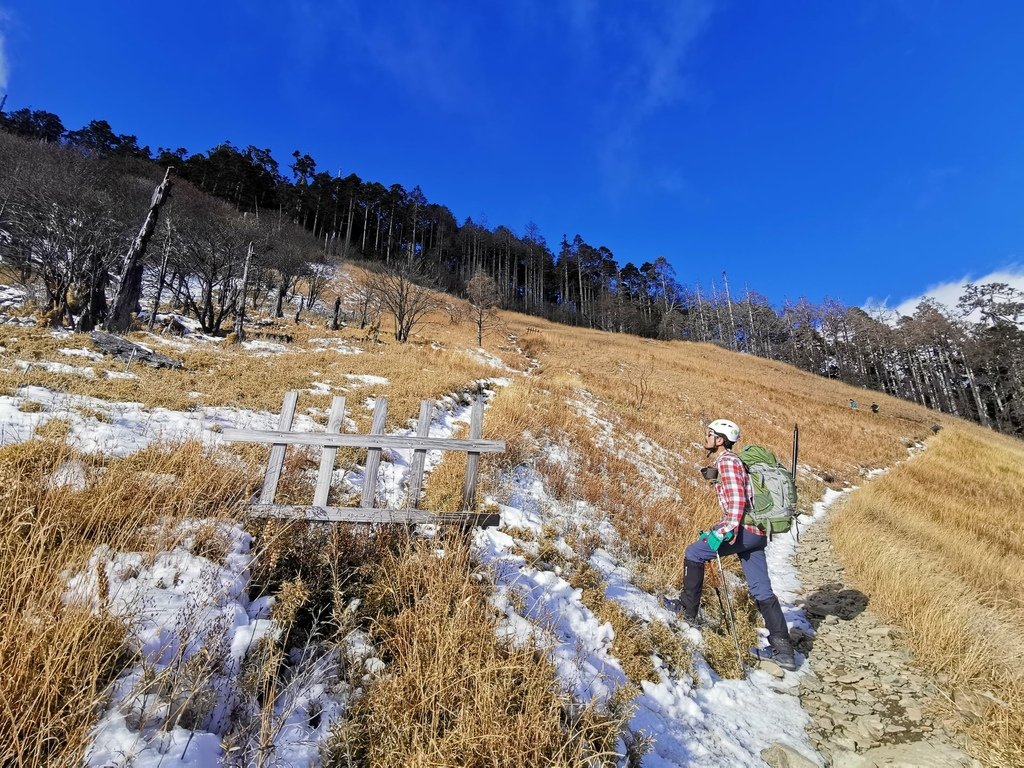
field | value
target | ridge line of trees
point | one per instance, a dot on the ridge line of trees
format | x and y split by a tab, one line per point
70	198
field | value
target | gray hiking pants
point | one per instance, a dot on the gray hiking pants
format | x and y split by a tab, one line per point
750	550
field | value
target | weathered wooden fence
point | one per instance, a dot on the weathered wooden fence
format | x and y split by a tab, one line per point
374	442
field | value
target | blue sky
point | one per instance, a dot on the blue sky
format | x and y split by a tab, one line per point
859	150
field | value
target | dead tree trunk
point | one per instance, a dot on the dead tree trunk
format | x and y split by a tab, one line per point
733	342
130	287
337	311
240	299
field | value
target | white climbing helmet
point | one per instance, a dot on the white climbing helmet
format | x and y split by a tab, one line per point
727	429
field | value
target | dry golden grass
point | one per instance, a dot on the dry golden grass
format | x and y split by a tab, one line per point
453	693
221	374
719	643
687	385
58	659
937	544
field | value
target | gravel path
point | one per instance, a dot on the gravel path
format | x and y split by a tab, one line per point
868	703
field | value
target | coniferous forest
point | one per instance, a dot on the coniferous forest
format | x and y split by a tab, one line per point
72	201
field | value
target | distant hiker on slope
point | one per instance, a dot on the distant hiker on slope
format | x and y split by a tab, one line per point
730	536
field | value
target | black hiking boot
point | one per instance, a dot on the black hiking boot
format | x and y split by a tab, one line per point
782	653
778	634
693	585
675	604
705	620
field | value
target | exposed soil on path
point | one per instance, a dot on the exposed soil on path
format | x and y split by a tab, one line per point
868	703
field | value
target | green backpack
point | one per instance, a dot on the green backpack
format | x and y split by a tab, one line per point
774	508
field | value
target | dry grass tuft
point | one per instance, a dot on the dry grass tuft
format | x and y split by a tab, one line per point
328	566
510	417
719	644
444	486
675	652
632	645
453	693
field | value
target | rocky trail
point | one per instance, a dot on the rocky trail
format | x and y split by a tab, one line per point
869	705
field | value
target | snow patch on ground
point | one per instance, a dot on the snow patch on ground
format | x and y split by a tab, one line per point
176	344
61	368
264	348
126	427
488	358
87	353
11	297
654	463
366	380
334	345
181	605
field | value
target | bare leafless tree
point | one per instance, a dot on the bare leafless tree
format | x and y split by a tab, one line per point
482	292
402	292
367	301
210	255
65	221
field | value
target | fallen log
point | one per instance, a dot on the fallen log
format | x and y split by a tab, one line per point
285	337
123	349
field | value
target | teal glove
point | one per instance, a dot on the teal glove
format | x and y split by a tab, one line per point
716	538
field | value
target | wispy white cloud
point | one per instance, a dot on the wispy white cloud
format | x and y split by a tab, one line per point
4	67
424	50
949	293
657	45
584	17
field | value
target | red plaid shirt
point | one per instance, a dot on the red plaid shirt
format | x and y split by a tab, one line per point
735	493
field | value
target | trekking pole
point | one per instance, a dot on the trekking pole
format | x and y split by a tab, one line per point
721	604
728	613
796	450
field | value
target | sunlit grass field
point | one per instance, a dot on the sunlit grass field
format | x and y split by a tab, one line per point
945	512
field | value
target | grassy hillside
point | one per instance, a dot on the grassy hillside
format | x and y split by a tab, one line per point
627	413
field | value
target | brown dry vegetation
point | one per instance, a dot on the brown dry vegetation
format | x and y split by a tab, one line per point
57	659
685	386
454	695
217	374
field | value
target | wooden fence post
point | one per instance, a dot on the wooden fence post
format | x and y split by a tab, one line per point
380	412
374	442
419	457
329	453
476	428
276	461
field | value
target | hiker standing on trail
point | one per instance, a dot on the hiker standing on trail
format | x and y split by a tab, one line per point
730	536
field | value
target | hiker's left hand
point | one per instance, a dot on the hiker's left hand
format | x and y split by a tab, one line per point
716	538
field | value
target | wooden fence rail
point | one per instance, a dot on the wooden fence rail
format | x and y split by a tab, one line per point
374	442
